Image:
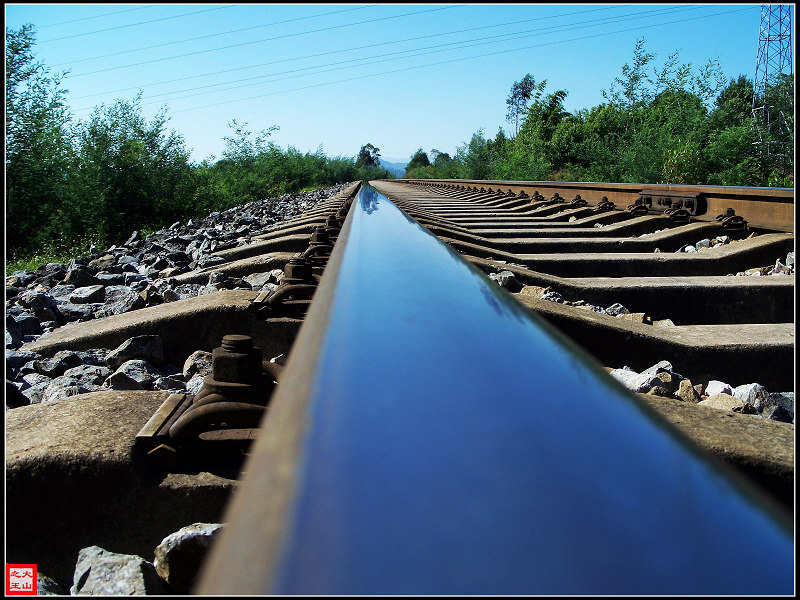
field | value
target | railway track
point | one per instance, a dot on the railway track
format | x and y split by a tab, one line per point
685	307
688	308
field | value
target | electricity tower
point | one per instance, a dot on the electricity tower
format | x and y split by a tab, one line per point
773	98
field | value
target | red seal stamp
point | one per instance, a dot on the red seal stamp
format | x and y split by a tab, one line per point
20	580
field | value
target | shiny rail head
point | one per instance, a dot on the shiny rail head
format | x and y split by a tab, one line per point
452	443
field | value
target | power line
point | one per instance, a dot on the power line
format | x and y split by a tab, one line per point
118	12
267	40
456	60
202	37
374	59
420	52
372	45
66	37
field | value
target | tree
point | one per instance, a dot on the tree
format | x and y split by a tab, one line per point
240	149
665	118
734	104
634	80
419	159
532	154
419	167
676	124
39	152
569	151
474	157
129	169
254	168
444	167
521	93
368	156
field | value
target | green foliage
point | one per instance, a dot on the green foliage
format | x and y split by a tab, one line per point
39	154
774	125
129	171
444	165
728	154
419	161
635	91
520	95
370	173
49	253
368	156
475	158
243	151
660	124
532	156
367	165
70	185
254	168
244	174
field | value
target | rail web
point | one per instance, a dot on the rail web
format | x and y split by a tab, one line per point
430	436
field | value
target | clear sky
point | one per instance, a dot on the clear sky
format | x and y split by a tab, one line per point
398	76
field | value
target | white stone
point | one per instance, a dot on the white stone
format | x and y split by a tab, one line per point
179	555
636	382
88	294
257	280
169	384
754	394
659	367
64	386
195	384
553	296
134	374
103	573
198	361
147	347
507	280
616	309
715	387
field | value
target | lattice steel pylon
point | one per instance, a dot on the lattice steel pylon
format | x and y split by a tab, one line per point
773	103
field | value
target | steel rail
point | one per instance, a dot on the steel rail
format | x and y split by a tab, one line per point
761	207
431	436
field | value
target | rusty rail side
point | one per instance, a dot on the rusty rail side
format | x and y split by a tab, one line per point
761	207
419	443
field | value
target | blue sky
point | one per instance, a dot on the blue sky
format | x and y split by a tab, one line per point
398	76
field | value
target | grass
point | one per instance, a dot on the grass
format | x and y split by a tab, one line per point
47	254
31	263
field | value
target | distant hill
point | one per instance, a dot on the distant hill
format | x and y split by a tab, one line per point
398	169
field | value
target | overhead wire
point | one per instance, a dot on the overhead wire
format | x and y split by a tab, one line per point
373	59
430	50
454	60
210	35
66	37
117	12
330	52
288	35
